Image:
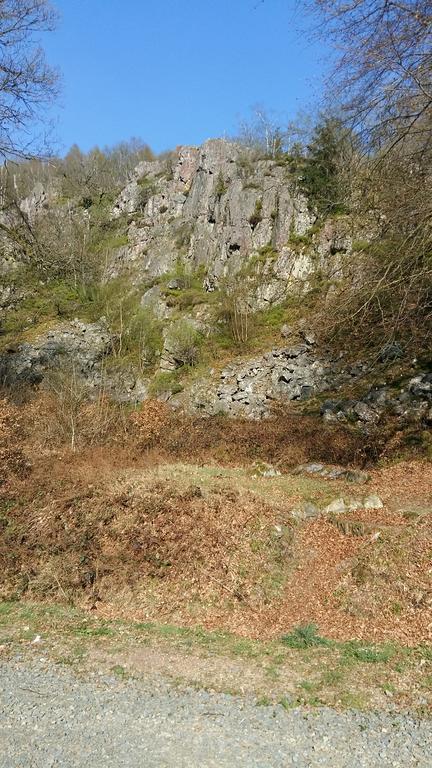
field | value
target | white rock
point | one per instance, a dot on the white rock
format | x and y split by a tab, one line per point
373	502
336	506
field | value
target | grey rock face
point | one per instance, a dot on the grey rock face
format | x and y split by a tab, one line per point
249	388
32	205
83	345
153	301
412	403
74	346
333	473
217	207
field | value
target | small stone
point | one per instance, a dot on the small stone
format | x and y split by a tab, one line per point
335	474
307	511
329	416
176	284
391	351
337	506
309	337
373	502
311	469
286	330
356	476
354	504
365	413
270	472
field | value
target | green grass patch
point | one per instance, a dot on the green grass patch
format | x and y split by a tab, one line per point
98	631
165	382
368	654
315	670
305	636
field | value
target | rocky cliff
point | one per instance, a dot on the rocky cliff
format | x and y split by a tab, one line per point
201	238
217	207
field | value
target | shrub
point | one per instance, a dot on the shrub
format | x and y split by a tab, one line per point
183	341
12	459
221	186
299	239
150	422
304	637
256	217
165	383
320	176
145	334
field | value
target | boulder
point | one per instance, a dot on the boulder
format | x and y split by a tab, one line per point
373	502
336	507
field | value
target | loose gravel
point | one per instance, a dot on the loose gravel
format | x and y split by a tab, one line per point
50	717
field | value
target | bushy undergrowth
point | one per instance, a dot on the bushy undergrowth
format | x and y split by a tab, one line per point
94	542
287	439
13	461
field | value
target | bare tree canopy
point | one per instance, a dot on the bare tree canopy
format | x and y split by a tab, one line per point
27	82
384	68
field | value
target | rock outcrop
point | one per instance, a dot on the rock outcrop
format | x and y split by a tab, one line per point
77	344
199	221
217	208
250	388
74	349
411	402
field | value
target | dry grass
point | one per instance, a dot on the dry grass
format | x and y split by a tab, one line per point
218	547
13	461
286	439
120	530
95	544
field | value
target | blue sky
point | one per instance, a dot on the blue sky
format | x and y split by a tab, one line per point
177	72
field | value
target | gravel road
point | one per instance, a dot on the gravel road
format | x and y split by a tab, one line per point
49	717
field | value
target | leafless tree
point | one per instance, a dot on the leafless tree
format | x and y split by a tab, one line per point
27	82
382	82
263	132
383	73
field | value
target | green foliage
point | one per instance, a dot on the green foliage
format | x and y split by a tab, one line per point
305	637
272	318
108	238
147	189
184	341
368	654
42	303
145	334
359	245
165	382
320	170
256	217
190	289
188	297
299	240
136	332
268	252
221	186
